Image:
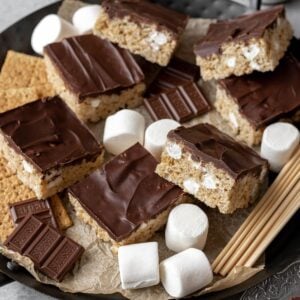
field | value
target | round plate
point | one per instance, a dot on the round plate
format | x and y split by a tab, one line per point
283	251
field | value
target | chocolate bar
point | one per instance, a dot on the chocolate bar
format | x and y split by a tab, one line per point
178	72
181	104
52	253
41	209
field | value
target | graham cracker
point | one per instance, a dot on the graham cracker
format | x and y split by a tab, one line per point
13	97
62	218
21	70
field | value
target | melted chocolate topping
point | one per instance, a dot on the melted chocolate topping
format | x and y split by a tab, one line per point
206	143
142	11
243	28
265	97
48	134
125	192
91	66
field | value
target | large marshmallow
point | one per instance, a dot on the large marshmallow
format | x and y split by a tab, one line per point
85	17
50	29
156	135
278	143
139	265
187	227
185	273
122	130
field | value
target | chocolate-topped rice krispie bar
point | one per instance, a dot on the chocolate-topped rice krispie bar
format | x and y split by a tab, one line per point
93	76
212	167
142	27
47	146
240	46
125	202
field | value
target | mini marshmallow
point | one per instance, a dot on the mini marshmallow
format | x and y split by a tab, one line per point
122	130
278	143
85	18
185	273
187	227
50	29
139	265
174	150
156	135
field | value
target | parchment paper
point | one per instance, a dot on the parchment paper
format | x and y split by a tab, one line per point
97	272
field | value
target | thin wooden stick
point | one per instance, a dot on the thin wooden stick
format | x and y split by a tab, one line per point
254	231
247	248
280	223
261	208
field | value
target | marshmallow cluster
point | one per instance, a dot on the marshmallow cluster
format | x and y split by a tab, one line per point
278	143
127	127
53	28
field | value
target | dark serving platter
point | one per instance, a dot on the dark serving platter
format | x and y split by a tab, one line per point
284	250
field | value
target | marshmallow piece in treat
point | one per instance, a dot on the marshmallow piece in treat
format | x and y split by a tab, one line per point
156	136
139	265
185	273
122	130
278	143
85	18
50	29
187	227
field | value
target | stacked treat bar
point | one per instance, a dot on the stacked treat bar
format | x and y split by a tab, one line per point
157	171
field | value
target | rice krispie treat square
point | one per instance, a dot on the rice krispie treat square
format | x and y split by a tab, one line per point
212	167
240	46
251	102
93	76
125	201
142	27
47	146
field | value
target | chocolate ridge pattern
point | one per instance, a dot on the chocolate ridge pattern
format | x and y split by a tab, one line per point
125	193
48	134
243	28
91	66
206	143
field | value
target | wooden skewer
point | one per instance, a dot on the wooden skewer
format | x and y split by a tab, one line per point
280	223
260	210
253	241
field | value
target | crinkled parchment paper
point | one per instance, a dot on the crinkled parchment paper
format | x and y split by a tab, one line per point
97	272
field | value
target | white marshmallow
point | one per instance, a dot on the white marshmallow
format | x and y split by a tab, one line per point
85	18
209	181
191	186
233	120
187	227
156	135
231	62
27	166
278	143
251	51
157	39
139	265
50	29
185	273
174	150
122	130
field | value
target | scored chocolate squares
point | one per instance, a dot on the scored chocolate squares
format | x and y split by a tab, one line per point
47	146
175	94
41	209
52	253
125	201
